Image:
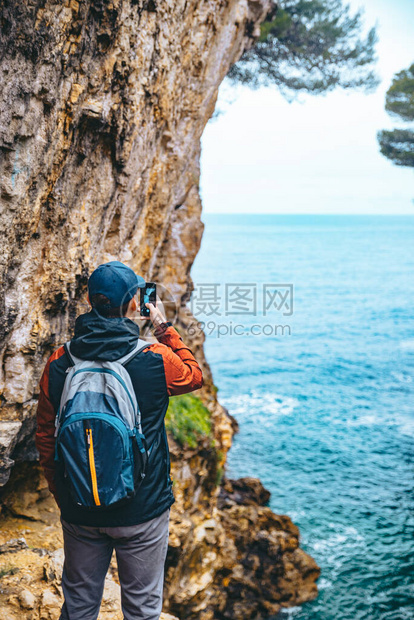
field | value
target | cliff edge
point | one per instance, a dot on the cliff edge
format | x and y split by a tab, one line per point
102	107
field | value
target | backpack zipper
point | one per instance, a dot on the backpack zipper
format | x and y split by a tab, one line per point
91	459
110	419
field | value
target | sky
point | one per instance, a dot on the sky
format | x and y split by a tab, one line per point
262	154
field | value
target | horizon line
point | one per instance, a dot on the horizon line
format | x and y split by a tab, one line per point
307	214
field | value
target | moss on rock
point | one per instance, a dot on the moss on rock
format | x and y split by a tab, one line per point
188	420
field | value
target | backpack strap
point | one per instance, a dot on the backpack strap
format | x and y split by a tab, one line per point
140	346
72	358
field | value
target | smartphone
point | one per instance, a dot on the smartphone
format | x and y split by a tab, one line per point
148	295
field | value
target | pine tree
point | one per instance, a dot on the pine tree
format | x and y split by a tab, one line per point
312	46
398	144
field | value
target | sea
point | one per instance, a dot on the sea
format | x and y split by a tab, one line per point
310	338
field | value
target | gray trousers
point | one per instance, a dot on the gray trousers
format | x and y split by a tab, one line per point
140	552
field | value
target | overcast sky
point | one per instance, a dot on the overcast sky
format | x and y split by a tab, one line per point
319	155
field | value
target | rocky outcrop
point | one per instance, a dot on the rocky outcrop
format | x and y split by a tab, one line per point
239	560
102	106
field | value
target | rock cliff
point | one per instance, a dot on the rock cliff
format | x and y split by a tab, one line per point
102	107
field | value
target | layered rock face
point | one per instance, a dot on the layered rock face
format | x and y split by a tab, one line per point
102	107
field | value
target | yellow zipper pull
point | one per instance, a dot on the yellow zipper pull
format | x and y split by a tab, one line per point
92	467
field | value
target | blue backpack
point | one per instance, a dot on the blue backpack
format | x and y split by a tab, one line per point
100	449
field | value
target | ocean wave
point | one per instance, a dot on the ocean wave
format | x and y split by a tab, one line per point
408	345
402	377
289	612
332	550
403	424
368	419
266	403
406	426
324	584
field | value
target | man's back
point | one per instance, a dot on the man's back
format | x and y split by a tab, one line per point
161	370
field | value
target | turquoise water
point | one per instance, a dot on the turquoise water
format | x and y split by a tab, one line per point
326	413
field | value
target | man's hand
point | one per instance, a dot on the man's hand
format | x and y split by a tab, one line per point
156	315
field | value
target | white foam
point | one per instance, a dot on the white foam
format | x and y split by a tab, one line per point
290	612
267	404
408	345
406	426
332	542
394	421
369	419
332	549
402	377
296	515
324	584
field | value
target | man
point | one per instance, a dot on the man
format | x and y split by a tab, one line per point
138	531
